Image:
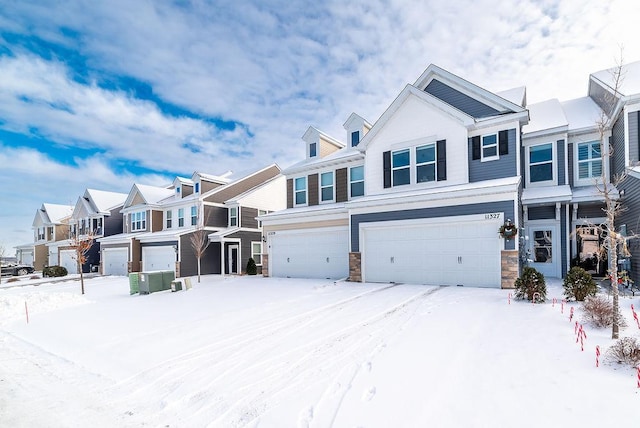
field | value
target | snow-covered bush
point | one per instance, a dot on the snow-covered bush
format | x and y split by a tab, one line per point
53	271
598	310
529	283
625	351
578	284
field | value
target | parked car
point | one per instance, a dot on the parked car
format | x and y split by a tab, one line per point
16	270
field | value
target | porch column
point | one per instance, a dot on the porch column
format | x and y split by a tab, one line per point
222	258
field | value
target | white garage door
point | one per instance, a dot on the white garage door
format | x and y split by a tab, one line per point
68	260
26	258
115	261
466	252
310	253
158	258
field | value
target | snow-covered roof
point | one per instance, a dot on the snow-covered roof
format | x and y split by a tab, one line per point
104	200
546	194
222	179
56	213
163	235
184	180
591	193
120	238
630	79
581	113
337	156
546	115
153	194
515	95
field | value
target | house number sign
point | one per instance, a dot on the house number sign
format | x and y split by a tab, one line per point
492	216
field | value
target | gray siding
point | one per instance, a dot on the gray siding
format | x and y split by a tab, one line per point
542	213
590	211
631	218
245	247
602	97
571	160
503	206
617	160
563	239
248	217
562	179
457	99
634	135
216	216
501	168
209	263
114	223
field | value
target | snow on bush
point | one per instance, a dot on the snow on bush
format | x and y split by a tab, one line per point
578	284
625	351
598	310
531	283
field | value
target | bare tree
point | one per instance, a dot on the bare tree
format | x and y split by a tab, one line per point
81	245
200	242
614	241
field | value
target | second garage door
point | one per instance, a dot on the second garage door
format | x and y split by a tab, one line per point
115	261
310	253
68	260
433	252
158	258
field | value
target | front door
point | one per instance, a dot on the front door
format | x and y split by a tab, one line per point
234	251
545	253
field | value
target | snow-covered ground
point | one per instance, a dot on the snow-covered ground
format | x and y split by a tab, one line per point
252	351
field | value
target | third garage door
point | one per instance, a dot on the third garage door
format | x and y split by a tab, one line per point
434	252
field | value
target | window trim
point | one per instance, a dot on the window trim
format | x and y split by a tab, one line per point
235	217
357	140
554	172
434	162
407	166
313	153
168	219
591	179
261	252
484	158
332	186
180	217
194	215
355	182
305	190
196	187
138	224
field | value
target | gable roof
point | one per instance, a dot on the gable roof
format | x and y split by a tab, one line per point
104	201
630	79
515	95
151	195
463	95
56	213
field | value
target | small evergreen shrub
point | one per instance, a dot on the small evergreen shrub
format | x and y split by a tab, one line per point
625	351
598	310
578	284
54	271
530	282
252	269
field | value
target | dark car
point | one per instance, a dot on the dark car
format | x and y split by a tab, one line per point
16	270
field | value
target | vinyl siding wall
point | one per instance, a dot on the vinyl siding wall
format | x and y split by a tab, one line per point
505	166
634	135
245	247
209	263
631	218
617	160
113	223
542	213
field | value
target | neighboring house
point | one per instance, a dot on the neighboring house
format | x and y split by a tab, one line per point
419	196
25	254
97	212
50	225
159	222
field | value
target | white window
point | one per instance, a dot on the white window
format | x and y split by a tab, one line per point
139	221
261	212
356	181
300	191
541	163
40	233
489	147
589	160
256	252
326	187
401	173
233	217
426	163
194	216
169	215
180	217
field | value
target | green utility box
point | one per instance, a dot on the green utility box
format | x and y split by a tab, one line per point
134	283
150	282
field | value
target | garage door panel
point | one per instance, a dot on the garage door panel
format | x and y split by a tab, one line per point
68	260
115	261
312	253
158	258
466	252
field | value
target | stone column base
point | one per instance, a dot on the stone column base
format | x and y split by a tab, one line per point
509	268
355	270
265	265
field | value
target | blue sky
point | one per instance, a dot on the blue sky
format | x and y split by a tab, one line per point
105	94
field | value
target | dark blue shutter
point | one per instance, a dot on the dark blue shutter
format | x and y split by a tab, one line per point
503	142
475	147
441	153
386	169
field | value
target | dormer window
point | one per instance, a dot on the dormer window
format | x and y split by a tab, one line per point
178	190
313	150
197	188
355	138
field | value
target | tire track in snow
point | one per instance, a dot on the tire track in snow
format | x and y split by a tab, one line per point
247	385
